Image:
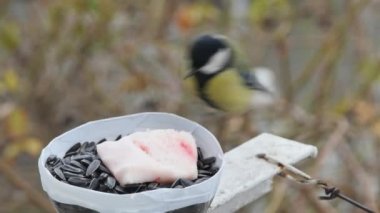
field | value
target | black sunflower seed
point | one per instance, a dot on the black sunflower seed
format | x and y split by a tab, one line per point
95	175
140	188
71	174
86	162
214	170
73	169
81	157
111	182
200	154
68	154
57	164
152	185
90	147
176	183
104	169
199	180
94	165
118	138
103	176
79	181
209	160
83	147
74	149
199	164
206	172
186	182
77	164
94	183
59	173
119	189
52	160
103	188
66	160
102	140
178	187
132	187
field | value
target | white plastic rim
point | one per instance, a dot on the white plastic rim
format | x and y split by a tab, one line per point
159	200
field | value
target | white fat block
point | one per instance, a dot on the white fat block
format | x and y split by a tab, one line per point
161	155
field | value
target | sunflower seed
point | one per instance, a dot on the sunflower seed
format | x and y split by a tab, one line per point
152	185
94	183
119	189
118	138
79	181
200	154
209	160
81	157
176	183
59	173
90	147
86	162
206	166
52	160
94	165
102	140
66	160
71	174
140	188
186	182
83	147
103	176
204	172
77	164
111	182
214	170
74	149
102	187
199	164
73	169
57	164
104	169
199	180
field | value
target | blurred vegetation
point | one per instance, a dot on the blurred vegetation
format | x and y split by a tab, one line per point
63	63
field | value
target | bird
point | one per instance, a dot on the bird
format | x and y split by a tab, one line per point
223	80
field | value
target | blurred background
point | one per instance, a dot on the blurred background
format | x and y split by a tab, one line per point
63	63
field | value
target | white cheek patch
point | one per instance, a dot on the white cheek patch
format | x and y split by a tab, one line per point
217	61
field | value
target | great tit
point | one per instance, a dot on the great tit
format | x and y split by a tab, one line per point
221	80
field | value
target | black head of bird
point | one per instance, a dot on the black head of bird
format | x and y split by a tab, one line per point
210	54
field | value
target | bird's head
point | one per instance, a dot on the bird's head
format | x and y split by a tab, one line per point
209	54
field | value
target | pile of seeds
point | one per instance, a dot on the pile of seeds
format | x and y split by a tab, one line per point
81	166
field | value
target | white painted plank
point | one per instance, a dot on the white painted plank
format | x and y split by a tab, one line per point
247	178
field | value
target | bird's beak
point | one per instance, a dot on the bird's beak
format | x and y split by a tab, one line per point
191	73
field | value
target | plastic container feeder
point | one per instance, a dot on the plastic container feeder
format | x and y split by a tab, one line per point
69	198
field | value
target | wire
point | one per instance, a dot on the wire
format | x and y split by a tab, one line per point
290	172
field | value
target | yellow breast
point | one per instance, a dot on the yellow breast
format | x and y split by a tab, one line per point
228	92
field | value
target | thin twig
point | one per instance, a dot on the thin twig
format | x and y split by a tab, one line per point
285	72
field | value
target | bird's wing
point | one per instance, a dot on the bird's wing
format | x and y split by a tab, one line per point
251	81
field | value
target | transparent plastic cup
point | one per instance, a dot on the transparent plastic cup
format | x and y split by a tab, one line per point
69	198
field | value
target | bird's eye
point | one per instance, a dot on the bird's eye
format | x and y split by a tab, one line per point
217	61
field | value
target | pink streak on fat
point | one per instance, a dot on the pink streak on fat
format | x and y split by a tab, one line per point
187	149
